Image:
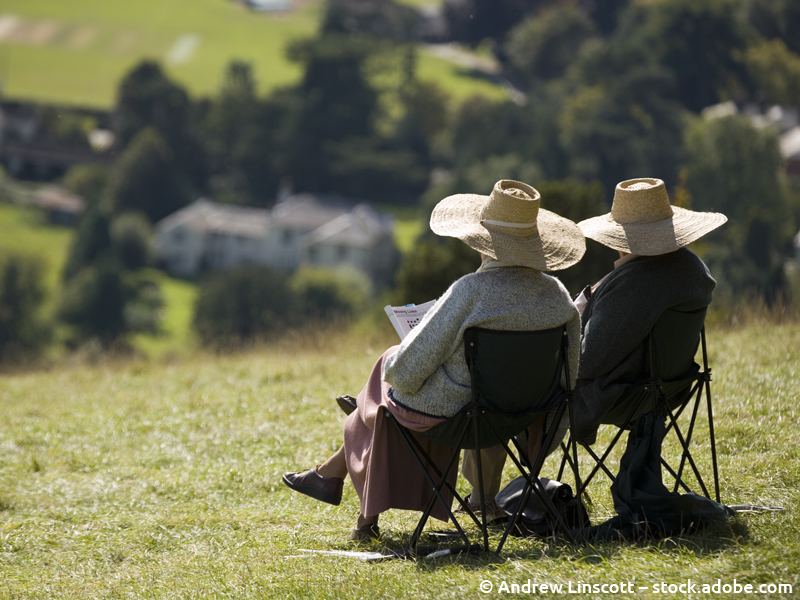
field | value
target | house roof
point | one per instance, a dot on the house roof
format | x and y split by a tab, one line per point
203	215
306	212
360	228
790	144
57	198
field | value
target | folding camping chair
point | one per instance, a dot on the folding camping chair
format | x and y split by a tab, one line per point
673	380
515	379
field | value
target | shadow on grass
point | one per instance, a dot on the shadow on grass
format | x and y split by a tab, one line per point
706	543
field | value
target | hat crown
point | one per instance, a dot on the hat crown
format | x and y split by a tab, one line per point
642	200
512	206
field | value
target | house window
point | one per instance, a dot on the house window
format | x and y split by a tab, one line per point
178	235
342	252
313	254
287	236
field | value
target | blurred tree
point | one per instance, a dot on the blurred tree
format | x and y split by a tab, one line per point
147	179
93	302
337	103
775	70
426	107
148	99
483	174
576	201
88	181
697	40
131	240
543	45
90	242
143	311
232	133
431	266
628	129
472	21
241	305
776	19
605	13
326	293
734	168
379	18
22	291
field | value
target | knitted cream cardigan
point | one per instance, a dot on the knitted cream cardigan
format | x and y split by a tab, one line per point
428	373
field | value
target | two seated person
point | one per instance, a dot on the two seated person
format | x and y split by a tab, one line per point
425	379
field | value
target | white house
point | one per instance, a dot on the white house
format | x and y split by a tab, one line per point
303	229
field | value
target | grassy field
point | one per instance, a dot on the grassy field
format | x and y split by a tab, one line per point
76	52
161	479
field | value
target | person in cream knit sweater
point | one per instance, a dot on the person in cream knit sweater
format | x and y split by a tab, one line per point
425	379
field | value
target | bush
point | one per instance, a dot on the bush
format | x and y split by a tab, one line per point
243	304
105	302
431	266
22	333
325	293
131	237
93	302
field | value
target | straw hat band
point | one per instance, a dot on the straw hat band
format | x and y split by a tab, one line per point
507	224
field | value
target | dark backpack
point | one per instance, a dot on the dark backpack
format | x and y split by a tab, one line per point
534	520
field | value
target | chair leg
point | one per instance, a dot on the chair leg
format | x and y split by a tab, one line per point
481	495
434	486
432	465
689	456
711	434
532	482
689	433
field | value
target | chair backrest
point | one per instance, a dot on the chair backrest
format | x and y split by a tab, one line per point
514	372
515	378
673	344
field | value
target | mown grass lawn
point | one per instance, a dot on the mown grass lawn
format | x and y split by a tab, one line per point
77	52
161	479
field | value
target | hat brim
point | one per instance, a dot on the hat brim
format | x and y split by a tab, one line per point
557	244
655	237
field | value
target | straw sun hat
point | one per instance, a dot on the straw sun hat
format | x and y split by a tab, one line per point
643	222
509	226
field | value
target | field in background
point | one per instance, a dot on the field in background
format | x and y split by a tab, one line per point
162	479
76	52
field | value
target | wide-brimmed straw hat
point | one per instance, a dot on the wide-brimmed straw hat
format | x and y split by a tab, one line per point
642	221
510	226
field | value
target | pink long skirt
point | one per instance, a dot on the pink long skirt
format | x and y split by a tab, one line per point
381	467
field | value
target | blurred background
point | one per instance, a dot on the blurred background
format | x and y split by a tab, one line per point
184	174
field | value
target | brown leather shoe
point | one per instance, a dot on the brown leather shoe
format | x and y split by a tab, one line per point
311	483
347	403
370	531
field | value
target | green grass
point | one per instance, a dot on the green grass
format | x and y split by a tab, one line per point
25	231
161	479
76	52
118	35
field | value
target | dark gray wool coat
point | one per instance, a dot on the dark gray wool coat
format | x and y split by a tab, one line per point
616	321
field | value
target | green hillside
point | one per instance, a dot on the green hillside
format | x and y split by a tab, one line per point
76	52
161	479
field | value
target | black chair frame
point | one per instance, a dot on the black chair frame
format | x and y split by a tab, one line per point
654	388
480	421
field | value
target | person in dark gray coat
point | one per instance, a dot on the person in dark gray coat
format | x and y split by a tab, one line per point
655	273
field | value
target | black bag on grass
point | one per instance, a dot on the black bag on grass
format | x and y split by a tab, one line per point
534	520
